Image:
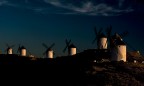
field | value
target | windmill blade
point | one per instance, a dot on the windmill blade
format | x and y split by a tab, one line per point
66	41
5	50
54	53
100	31
45	45
124	34
110	26
29	52
7	45
78	50
69	41
129	45
19	48
118	36
115	46
52	45
65	48
108	31
12	46
96	32
45	52
94	40
67	44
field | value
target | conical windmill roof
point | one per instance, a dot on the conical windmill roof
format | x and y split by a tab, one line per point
49	49
22	47
102	35
9	48
117	39
72	46
120	42
116	36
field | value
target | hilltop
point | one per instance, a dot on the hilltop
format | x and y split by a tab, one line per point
88	68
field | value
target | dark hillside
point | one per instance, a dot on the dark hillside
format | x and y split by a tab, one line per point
77	70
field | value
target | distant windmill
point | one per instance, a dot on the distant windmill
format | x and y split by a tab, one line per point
49	51
100	38
71	48
22	50
30	54
9	49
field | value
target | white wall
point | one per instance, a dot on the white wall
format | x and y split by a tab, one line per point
119	53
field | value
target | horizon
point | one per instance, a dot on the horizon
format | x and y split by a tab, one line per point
33	22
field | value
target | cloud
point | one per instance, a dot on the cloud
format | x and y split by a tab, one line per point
121	3
84	7
91	8
38	9
26	1
17	4
7	3
3	2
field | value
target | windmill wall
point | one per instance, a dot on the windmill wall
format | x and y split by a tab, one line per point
119	53
9	51
50	54
103	43
23	52
72	51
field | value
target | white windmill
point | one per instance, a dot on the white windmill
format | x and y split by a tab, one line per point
49	52
101	39
22	50
9	49
118	48
72	50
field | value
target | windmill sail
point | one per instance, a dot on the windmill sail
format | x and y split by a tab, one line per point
49	51
70	47
67	44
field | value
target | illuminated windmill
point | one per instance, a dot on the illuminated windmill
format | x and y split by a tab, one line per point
49	51
71	48
118	48
9	49
100	38
22	50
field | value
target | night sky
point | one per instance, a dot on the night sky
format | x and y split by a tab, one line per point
33	22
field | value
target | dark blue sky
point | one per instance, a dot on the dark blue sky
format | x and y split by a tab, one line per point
33	22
